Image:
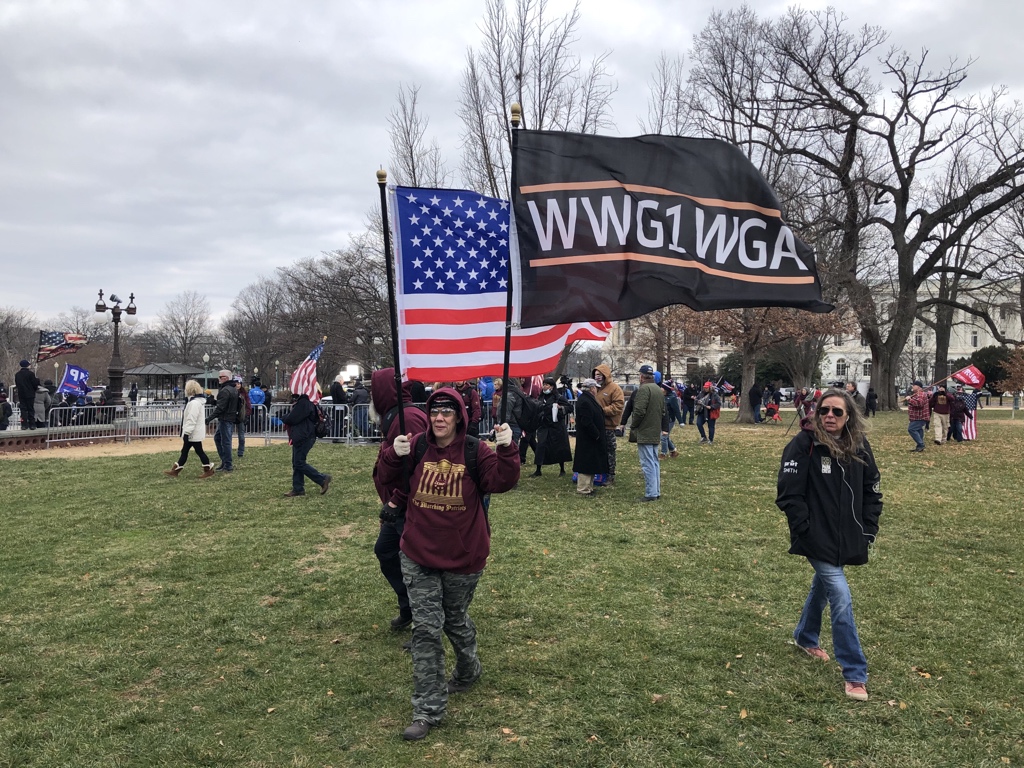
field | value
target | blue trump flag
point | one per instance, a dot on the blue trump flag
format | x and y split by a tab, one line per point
75	381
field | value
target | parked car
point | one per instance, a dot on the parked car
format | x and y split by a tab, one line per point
787	393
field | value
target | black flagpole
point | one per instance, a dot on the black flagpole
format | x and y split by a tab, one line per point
382	180
517	114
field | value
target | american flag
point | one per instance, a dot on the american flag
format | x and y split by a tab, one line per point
451	268
53	343
303	380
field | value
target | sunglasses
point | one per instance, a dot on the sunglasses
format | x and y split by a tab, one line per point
442	411
834	410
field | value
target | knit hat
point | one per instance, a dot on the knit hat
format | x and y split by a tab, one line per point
588	383
23	363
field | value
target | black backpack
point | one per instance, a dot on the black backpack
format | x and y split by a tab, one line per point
530	414
323	423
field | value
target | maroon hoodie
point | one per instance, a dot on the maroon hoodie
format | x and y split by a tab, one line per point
445	525
384	396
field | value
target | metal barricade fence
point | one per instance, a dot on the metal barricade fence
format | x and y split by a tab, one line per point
154	420
89	422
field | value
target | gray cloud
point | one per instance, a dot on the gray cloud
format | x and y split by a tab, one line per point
162	147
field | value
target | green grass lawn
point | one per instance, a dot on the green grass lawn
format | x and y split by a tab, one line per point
147	621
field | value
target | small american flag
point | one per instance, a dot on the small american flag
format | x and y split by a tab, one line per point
303	380
451	267
53	343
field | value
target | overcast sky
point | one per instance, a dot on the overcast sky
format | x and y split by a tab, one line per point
159	147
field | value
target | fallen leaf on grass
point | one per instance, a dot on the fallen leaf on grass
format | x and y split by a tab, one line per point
657	698
743	714
921	672
270	709
593	737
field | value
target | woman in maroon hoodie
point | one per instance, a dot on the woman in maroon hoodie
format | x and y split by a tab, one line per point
445	544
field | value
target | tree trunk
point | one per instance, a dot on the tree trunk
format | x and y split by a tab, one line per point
744	414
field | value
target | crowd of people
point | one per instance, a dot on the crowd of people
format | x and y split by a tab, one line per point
435	473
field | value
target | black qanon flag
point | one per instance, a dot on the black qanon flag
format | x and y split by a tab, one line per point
613	228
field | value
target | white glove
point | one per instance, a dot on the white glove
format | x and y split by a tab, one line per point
403	445
503	435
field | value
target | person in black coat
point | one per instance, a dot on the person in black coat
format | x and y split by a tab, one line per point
553	432
828	487
301	422
754	397
26	383
591	448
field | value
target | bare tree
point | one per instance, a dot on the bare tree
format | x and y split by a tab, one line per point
526	57
255	327
18	337
184	322
666	109
414	163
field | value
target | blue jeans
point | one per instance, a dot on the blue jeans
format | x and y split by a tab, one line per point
651	468
240	431
222	439
756	410
667	446
829	585
916	431
702	419
302	469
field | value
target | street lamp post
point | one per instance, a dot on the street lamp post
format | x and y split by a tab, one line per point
206	370
277	363
115	371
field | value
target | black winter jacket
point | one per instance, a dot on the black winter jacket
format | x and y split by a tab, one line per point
301	420
832	508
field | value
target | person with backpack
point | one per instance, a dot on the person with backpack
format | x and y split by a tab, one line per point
445	544
301	422
384	412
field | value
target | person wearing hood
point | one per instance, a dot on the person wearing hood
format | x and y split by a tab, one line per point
828	487
6	411
384	413
553	432
471	397
301	422
609	396
41	406
445	544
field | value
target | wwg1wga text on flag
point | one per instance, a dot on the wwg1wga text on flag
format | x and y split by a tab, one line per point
303	380
53	343
614	228
451	269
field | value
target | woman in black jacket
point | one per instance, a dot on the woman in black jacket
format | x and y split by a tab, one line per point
591	448
829	489
553	433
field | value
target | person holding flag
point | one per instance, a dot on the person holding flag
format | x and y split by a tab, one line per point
301	423
974	378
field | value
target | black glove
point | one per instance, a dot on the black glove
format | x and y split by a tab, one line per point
389	514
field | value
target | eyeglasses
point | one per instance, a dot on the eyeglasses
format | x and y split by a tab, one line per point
446	412
836	411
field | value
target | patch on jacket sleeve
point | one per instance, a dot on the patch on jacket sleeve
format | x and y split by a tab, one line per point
789	467
877	487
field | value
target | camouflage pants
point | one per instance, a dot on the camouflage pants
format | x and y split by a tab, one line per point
440	603
612	442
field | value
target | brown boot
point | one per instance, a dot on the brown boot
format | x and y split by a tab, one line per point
173	471
207	471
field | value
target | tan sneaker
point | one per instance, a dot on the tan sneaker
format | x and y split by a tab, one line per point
858	691
815	653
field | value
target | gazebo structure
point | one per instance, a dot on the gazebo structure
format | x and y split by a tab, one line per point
166	375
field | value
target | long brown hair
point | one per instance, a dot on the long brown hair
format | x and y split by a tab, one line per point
851	441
